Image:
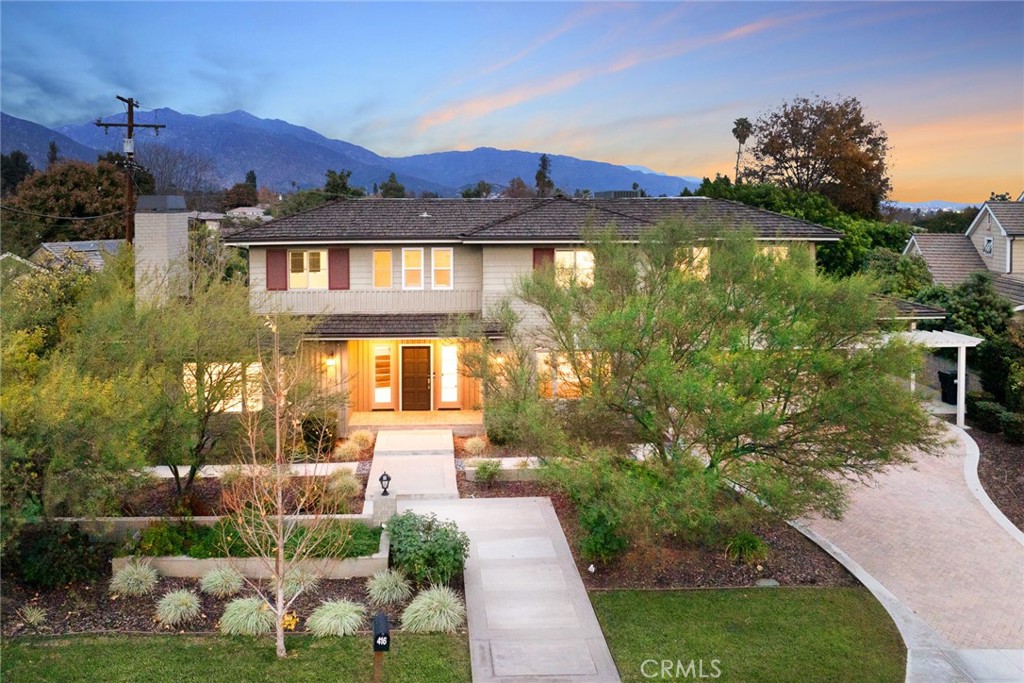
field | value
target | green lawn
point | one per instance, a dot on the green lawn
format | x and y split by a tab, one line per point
183	659
760	634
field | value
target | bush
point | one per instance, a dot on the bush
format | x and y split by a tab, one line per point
53	554
604	539
162	539
222	582
747	547
347	451
475	446
426	549
988	416
247	617
336	491
973	398
362	438
319	434
178	607
1013	427
388	587
437	609
336	618
34	617
134	579
300	581
487	471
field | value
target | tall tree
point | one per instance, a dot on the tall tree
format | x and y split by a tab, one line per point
239	194
52	154
336	185
481	190
545	185
820	145
176	171
250	178
14	168
741	130
518	189
392	189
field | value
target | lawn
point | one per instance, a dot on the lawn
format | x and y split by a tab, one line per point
755	634
413	659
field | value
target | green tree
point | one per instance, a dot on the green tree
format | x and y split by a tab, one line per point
14	168
239	194
250	178
974	306
761	375
1001	197
481	190
52	154
545	185
948	221
820	145
903	277
741	130
337	185
392	189
517	189
141	177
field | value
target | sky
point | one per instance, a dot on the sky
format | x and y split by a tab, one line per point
656	84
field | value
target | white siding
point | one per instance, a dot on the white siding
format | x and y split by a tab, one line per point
996	261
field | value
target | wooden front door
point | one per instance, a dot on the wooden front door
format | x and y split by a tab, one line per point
415	378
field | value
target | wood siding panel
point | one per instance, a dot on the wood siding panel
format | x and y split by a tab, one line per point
996	261
503	266
1017	259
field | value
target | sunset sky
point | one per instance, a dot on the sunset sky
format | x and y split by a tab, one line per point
654	84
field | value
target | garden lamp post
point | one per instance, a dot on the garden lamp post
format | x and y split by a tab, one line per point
384	480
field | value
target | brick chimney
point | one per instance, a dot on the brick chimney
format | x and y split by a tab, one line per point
161	247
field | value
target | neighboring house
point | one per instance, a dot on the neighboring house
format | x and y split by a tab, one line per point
257	212
994	242
207	219
91	253
385	276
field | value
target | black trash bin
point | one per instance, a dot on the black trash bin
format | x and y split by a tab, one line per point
947	382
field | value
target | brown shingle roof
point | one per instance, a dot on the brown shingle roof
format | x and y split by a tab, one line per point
1010	215
1010	287
911	310
951	258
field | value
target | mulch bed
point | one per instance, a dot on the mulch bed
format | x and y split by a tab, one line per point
90	608
491	452
1001	471
793	559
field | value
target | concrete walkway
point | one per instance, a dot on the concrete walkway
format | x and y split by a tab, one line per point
530	619
421	463
940	559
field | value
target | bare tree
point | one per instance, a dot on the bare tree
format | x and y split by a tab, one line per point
177	170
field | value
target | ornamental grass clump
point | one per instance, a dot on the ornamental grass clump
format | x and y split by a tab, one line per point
435	610
222	582
247	617
347	451
388	587
336	618
134	579
300	581
33	617
178	607
747	547
475	446
361	438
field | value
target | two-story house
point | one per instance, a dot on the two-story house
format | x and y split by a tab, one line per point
385	275
993	243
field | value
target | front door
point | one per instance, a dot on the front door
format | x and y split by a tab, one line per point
415	378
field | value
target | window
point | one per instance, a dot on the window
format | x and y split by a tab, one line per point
382	269
307	269
412	268
449	374
777	252
987	249
382	375
441	263
233	387
699	263
574	264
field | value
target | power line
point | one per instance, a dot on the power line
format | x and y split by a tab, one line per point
62	218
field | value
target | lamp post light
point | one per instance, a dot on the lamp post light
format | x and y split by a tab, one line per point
384	480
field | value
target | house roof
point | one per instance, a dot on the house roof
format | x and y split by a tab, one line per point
911	310
91	251
951	258
1011	288
1009	215
555	219
384	326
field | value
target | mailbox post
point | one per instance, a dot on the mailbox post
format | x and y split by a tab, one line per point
381	644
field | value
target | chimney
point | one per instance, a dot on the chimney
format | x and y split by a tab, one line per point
161	247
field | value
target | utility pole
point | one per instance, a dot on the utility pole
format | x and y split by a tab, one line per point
130	166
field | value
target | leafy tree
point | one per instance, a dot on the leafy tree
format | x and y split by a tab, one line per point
974	306
52	154
481	190
900	276
641	191
141	177
948	221
1001	197
250	178
518	189
239	194
337	185
762	376
545	185
14	168
741	130
392	189
825	146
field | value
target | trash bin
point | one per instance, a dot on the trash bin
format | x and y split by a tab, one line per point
947	382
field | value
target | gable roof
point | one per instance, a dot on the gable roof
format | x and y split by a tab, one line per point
1010	288
1008	216
902	309
92	251
555	219
950	257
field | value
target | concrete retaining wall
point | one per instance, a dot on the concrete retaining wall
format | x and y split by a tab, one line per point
120	528
512	469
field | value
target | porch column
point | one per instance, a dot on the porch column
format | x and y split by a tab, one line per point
961	383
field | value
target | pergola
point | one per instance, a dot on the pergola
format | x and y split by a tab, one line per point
942	339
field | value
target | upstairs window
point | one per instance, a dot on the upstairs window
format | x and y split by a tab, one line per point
382	269
987	249
412	268
574	265
441	262
307	269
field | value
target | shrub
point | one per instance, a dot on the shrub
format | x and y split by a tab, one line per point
300	581
54	554
437	609
388	587
487	472
988	416
160	539
475	446
247	617
33	616
347	451
336	492
178	607
426	549
746	547
362	438
222	582
1013	427
318	434
134	579
973	398
336	618
604	538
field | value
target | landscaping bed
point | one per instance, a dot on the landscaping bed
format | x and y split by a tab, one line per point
491	451
793	559
1001	471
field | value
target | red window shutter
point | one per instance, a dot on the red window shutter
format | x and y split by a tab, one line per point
337	268
543	256
277	270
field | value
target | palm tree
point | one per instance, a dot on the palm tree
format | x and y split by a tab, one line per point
741	130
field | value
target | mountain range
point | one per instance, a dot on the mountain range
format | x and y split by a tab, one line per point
286	156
